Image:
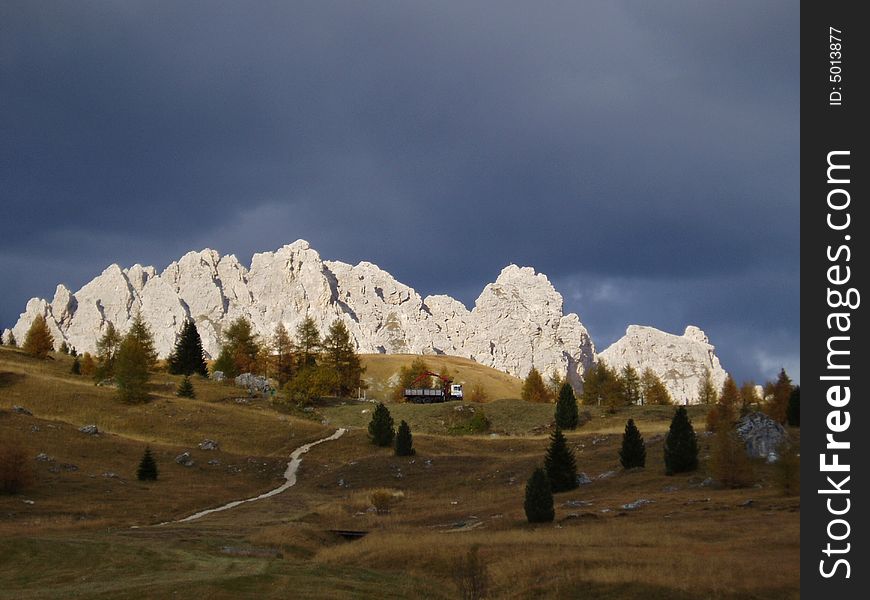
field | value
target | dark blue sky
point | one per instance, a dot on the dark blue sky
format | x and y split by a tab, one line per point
644	155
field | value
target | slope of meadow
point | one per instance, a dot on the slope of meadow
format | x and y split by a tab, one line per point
70	535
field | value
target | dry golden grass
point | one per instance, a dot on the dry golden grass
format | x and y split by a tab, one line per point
457	492
496	384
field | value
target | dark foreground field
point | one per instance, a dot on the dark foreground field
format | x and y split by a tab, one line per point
70	534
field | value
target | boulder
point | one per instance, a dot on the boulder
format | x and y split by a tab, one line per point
185	460
89	429
253	383
21	410
762	435
208	445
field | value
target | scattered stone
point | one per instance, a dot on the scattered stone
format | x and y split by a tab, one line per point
708	482
761	434
772	457
35	429
218	376
89	429
637	504
598	440
21	411
577	503
342	483
214	462
185	460
583	479
69	467
670	488
208	445
308	409
427	463
106	383
110	475
43	457
606	475
30	502
747	503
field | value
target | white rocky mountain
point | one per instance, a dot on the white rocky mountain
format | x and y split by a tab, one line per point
678	360
516	323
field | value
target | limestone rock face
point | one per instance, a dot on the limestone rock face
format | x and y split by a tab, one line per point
679	361
516	323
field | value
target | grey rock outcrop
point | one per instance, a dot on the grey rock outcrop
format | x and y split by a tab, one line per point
679	361
516	323
761	434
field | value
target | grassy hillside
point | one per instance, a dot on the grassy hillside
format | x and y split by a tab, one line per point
381	367
69	535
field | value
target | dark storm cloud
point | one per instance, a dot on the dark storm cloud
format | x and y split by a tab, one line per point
600	141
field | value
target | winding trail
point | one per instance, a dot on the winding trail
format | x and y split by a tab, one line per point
289	475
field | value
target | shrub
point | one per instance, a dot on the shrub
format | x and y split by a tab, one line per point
471	576
147	470
567	415
478	393
729	462
560	464
382	500
633	452
404	441
381	426
538	504
16	474
185	389
681	444
76	368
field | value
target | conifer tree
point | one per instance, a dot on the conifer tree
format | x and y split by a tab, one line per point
560	464
630	381
307	342
728	459
633	452
538	503
339	356
793	414
381	429
39	341
567	415
681	444
706	389
188	356
142	332
240	342
654	391
131	370
283	356
778	404
76	368
748	397
534	389
147	470
11	341
602	387
107	349
724	412
64	348
404	441
185	388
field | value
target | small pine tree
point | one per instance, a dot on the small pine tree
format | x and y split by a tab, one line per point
185	388
404	441
11	341
778	405
724	412
381	426
282	358
633	452
630	385
188	356
39	341
534	389
681	444
147	470
107	350
539	498
89	366
560	464
654	391
76	368
567	415
142	332
64	348
793	414
307	342
339	355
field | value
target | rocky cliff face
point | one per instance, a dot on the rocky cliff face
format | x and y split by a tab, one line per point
516	323
679	361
